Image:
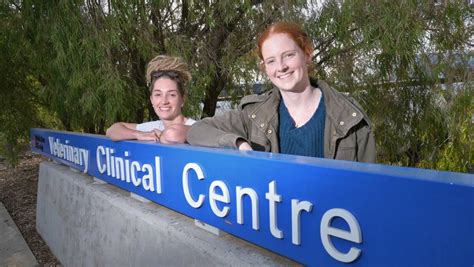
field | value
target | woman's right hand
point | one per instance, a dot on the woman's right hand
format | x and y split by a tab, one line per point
149	136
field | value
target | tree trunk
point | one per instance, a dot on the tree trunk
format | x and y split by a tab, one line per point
212	94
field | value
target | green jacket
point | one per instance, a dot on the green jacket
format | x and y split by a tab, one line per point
347	135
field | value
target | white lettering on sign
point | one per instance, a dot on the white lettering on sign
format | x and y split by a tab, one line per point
134	168
298	207
273	198
148	177
354	234
240	193
187	194
224	197
130	171
76	155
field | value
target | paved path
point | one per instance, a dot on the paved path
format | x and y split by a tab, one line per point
13	249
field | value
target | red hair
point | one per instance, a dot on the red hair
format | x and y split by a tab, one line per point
293	30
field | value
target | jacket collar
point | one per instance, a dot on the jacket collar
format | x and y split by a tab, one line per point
342	113
267	110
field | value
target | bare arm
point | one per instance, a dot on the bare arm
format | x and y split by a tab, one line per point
127	131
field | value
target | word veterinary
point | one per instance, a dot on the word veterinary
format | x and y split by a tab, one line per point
79	156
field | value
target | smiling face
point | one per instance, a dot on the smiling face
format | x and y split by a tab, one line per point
166	99
285	63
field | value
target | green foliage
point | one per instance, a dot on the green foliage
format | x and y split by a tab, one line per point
79	65
395	58
216	38
456	153
18	100
89	75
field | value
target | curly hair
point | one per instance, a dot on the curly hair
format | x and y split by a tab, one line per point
169	63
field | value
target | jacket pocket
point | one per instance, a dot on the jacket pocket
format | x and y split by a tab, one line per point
347	149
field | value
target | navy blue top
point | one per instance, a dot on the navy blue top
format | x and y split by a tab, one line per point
307	140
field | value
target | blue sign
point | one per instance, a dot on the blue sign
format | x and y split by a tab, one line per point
315	211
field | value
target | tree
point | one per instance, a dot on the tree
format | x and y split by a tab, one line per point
217	38
82	64
99	51
19	101
89	62
383	54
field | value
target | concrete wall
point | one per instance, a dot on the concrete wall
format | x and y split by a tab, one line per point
86	223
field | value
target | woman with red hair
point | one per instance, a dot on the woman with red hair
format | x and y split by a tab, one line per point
300	116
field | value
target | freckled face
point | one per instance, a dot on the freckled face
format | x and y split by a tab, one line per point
166	99
285	63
